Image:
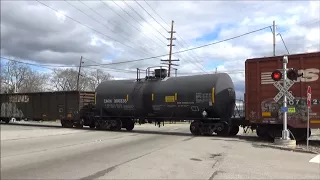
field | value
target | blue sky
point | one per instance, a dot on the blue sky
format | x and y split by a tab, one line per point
35	68
211	64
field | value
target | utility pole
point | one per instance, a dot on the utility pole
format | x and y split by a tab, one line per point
170	51
0	75
274	38
79	73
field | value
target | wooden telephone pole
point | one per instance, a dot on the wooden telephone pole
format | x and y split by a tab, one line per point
78	79
170	51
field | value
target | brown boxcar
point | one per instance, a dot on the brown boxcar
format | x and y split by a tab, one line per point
262	110
58	105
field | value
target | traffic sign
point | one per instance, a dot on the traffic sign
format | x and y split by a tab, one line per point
283	90
284	109
309	96
292	110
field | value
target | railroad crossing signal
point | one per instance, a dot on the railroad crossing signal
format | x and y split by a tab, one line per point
283	90
309	96
276	75
293	74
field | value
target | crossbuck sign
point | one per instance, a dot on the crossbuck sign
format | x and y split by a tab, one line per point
283	90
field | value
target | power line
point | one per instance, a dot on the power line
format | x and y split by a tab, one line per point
195	57
118	70
198	47
130	23
165	29
221	40
143	18
159	56
104	26
85	25
135	19
111	23
47	66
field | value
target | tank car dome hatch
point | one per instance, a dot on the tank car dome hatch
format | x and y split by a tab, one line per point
160	73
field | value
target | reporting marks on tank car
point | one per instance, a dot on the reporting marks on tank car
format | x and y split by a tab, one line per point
118	101
309	75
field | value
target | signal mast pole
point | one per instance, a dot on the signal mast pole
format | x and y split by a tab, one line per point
170	51
285	132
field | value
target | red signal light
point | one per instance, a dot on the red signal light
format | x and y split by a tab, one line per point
293	74
276	75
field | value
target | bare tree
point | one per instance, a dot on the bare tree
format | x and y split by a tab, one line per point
34	82
21	78
96	77
66	79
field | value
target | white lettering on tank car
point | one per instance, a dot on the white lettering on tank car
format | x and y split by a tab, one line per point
309	75
107	101
123	101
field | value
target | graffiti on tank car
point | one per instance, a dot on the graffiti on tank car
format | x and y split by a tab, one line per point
18	99
309	75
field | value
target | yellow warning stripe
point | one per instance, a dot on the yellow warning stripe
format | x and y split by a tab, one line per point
315	121
266	114
212	95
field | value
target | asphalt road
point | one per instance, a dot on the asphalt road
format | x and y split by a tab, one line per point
169	152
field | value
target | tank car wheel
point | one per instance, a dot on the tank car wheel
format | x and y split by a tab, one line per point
194	128
92	124
80	124
129	125
234	130
223	130
97	125
117	125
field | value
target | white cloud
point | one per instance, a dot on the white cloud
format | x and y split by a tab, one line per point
32	31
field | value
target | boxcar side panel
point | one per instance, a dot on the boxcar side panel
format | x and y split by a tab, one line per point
260	106
44	105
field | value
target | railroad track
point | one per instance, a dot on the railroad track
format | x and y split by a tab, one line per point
248	136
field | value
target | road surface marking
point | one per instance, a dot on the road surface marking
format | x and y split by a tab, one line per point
315	159
174	129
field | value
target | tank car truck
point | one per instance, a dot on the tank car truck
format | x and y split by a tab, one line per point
264	112
66	106
208	100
